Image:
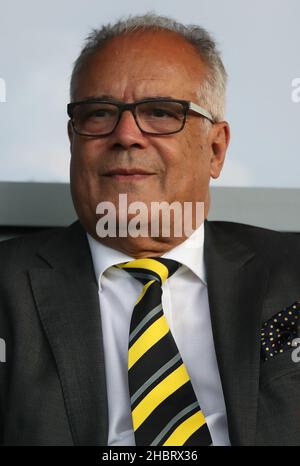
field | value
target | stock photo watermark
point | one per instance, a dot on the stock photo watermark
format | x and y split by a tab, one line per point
295	95
2	90
2	350
296	351
135	219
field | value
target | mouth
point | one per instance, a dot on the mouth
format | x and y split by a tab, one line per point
133	174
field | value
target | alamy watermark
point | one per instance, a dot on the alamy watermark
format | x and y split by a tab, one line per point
2	90
136	219
295	95
2	350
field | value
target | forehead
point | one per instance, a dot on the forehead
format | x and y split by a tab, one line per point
142	64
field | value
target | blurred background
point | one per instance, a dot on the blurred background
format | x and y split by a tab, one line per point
259	41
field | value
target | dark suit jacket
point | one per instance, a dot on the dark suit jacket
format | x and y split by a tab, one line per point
52	385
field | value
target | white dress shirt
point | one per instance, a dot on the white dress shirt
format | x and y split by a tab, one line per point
185	304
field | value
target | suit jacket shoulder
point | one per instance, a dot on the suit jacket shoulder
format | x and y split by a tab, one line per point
274	247
52	385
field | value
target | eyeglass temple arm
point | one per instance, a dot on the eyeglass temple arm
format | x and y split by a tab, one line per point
196	108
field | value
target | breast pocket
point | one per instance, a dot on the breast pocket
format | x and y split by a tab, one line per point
280	365
278	420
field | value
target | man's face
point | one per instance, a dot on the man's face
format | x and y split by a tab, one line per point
179	166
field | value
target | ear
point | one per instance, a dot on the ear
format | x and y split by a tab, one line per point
219	138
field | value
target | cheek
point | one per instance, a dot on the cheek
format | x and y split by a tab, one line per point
184	160
189	169
84	168
84	159
198	154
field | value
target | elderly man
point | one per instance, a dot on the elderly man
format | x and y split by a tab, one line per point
149	339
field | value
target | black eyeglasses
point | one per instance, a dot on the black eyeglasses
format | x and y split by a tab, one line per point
155	116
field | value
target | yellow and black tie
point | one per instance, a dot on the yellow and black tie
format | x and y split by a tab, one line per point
165	410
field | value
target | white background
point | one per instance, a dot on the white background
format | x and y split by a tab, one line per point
260	43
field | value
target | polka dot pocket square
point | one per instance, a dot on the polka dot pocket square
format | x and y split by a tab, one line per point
278	332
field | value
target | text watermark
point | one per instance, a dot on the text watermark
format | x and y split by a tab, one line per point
295	96
2	90
2	350
296	351
135	219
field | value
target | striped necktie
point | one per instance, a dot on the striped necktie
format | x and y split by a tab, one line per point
165	410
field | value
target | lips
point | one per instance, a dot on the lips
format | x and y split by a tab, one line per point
127	172
124	174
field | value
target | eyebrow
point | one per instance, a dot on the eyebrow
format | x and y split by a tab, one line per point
100	97
111	98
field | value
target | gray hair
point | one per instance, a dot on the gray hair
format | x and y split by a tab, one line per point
212	90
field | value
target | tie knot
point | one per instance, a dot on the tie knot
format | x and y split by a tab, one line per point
151	268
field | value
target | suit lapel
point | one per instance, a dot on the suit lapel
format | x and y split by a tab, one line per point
237	281
66	296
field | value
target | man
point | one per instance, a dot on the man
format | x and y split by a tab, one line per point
67	307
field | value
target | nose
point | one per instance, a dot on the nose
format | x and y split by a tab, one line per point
127	134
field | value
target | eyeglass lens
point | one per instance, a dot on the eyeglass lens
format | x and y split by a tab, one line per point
153	117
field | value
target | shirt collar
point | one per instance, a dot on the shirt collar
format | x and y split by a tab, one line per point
188	253
191	253
104	257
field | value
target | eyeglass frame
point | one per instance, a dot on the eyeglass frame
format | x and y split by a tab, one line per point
122	107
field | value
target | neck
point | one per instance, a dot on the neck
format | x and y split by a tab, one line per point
148	246
139	248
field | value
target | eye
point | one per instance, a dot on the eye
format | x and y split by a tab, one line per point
161	113
95	112
101	113
98	113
